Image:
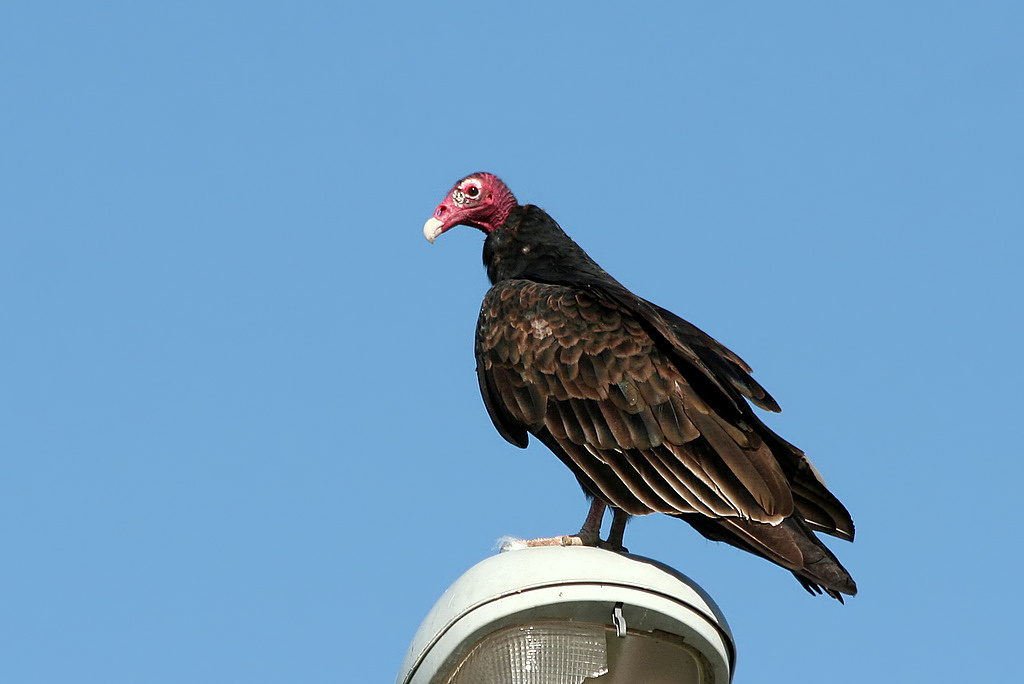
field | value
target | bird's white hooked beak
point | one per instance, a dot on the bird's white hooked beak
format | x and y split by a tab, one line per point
432	228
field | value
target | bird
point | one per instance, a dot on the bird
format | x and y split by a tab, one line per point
650	413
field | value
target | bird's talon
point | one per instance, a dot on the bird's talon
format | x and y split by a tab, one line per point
608	546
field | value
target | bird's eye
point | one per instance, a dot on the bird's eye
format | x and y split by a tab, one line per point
473	191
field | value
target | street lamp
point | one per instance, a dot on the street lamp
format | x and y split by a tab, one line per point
571	615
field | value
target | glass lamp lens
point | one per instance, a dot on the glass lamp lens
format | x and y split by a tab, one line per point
543	653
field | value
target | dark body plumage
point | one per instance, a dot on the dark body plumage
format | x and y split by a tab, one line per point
648	412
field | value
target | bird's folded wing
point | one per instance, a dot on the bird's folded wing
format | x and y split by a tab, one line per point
588	378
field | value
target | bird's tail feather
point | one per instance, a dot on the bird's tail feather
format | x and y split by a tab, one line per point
790	544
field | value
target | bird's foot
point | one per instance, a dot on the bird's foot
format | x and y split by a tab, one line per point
515	544
612	546
589	534
581	539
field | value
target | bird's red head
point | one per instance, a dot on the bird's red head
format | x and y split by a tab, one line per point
480	200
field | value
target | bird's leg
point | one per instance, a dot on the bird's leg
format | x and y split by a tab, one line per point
619	519
589	534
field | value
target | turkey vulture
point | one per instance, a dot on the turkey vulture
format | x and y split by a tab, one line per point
648	412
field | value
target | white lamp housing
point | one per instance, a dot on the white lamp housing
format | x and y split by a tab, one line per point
571	615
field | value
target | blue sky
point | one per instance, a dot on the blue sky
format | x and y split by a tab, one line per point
240	431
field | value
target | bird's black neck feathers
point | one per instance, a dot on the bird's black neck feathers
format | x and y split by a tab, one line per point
531	246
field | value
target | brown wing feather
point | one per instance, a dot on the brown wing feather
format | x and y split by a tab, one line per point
587	378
